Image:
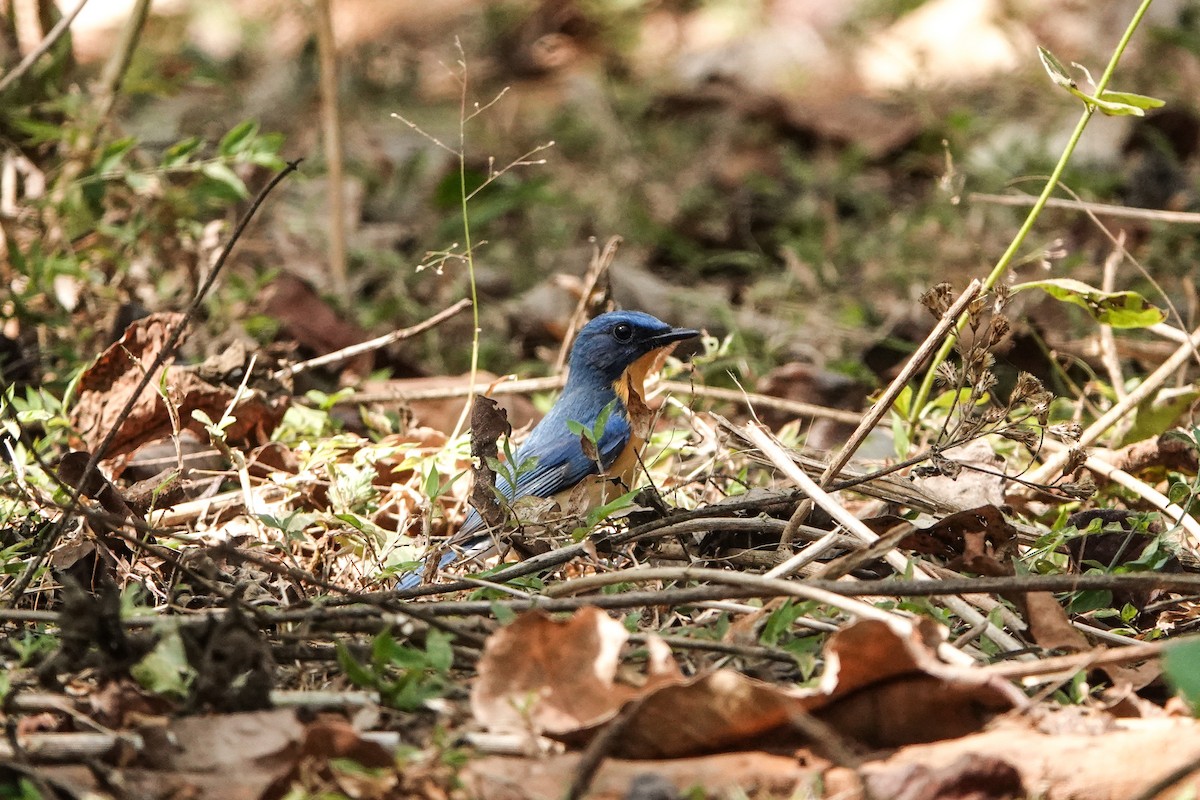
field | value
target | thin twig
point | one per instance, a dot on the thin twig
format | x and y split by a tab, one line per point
533	385
1177	515
56	33
371	345
855	526
1099	209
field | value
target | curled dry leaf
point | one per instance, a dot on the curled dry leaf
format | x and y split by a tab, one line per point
488	423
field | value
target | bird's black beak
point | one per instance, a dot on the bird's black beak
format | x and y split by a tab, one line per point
671	336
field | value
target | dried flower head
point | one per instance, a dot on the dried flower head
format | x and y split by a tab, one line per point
1000	297
1067	431
946	374
1075	460
1026	387
998	329
1081	489
938	299
1021	433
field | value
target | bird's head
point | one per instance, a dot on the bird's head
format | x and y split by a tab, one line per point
613	342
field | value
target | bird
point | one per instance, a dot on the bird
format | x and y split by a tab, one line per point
610	360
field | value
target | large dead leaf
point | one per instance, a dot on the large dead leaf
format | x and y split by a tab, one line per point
106	386
553	677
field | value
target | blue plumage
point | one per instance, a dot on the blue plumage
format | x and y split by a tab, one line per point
609	359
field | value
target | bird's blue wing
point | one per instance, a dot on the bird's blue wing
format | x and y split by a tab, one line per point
559	463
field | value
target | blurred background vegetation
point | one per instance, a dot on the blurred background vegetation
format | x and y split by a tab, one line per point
789	172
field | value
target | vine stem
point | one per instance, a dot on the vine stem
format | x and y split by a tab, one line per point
1034	212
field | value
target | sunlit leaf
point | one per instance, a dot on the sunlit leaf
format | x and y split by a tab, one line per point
1116	309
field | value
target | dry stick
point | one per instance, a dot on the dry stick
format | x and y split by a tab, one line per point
1099	209
353	350
53	36
148	374
1052	468
531	385
751	399
1108	342
759	436
331	128
368	604
881	407
800	589
698	594
601	261
1159	786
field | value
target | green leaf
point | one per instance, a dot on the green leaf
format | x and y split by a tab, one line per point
437	650
238	139
1130	99
1116	309
624	501
165	669
225	177
1181	663
1108	107
113	154
1058	72
359	675
181	152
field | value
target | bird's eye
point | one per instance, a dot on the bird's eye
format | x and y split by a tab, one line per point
623	332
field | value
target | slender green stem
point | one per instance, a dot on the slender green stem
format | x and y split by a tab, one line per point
1034	212
468	251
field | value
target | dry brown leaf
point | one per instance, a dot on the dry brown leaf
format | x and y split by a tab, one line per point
1109	764
106	386
553	677
488	423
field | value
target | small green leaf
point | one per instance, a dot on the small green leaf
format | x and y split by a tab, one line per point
1116	309
1130	99
438	652
624	501
1108	107
1181	663
1058	72
238	139
165	669
181	152
114	154
224	176
359	675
